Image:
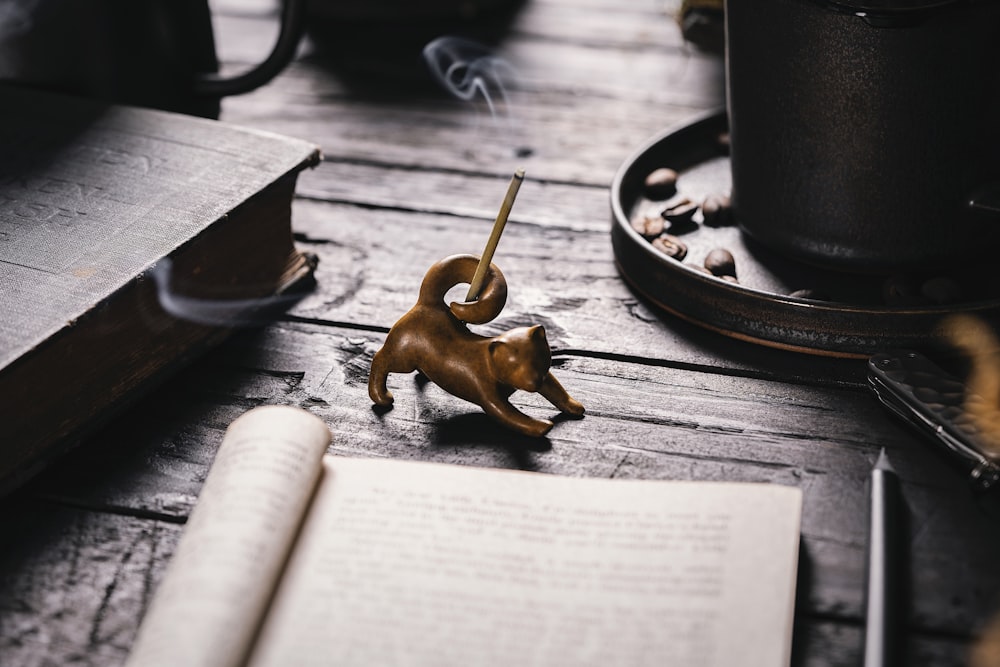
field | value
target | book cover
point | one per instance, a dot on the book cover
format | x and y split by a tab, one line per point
110	217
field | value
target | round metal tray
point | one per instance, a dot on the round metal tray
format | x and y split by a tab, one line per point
853	318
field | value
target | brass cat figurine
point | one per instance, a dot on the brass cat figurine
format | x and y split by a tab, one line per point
432	338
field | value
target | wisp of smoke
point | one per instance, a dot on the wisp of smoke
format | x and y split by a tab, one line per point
469	70
218	312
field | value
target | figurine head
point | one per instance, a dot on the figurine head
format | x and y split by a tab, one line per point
521	357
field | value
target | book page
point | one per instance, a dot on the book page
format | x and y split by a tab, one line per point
219	582
405	563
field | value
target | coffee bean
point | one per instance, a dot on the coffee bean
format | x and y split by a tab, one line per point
671	246
716	210
661	183
650	226
680	215
728	278
721	263
941	290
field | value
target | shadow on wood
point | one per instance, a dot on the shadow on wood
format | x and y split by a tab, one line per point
475	429
378	54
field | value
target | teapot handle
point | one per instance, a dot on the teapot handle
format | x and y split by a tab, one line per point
292	25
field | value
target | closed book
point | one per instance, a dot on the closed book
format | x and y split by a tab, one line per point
130	241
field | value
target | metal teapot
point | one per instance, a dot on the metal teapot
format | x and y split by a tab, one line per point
866	133
154	53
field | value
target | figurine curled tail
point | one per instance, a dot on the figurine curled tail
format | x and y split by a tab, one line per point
432	338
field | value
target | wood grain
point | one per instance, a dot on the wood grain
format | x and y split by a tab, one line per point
561	274
411	175
643	421
92	574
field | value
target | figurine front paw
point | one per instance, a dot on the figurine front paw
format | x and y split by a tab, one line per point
572	407
537	428
381	398
383	401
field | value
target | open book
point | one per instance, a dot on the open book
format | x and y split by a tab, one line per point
292	557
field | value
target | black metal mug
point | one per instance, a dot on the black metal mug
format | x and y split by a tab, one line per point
865	134
154	53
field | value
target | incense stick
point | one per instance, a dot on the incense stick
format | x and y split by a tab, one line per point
491	243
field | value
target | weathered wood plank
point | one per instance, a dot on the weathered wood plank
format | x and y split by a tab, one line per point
625	26
555	137
570	87
564	206
817	642
619	26
412	176
560	274
74	585
565	94
639	55
643	421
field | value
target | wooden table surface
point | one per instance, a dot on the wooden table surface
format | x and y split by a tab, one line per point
411	175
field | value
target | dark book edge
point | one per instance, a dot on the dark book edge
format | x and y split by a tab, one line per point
77	380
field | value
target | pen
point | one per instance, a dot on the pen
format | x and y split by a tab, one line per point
883	589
